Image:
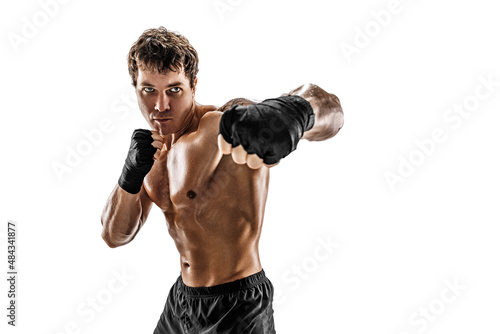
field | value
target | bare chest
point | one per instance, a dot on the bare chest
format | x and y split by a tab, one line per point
181	174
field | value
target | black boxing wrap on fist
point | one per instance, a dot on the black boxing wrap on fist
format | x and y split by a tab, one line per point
271	129
138	162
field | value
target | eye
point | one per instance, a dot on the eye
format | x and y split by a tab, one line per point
175	89
148	89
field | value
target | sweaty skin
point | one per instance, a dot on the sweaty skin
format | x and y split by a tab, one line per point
213	206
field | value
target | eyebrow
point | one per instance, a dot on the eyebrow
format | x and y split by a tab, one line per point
177	83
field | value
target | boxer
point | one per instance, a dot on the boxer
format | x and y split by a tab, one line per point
207	169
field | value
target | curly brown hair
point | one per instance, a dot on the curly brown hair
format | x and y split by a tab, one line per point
161	50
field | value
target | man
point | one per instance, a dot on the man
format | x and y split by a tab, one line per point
207	169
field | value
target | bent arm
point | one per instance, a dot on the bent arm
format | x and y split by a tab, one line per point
328	114
123	216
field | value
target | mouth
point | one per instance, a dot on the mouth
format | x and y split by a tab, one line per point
161	120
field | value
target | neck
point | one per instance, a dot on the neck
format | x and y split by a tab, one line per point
189	123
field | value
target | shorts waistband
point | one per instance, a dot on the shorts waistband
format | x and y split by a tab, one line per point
223	288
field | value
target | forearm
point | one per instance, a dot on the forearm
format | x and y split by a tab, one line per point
121	217
328	114
266	132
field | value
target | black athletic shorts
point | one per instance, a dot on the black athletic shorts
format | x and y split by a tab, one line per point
239	307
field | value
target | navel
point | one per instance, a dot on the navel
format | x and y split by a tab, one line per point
191	194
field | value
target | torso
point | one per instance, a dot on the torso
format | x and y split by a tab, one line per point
213	207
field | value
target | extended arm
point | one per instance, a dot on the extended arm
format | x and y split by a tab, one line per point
265	132
329	117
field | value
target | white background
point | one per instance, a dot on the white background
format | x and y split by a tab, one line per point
397	247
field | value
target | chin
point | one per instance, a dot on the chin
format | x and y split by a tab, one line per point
164	130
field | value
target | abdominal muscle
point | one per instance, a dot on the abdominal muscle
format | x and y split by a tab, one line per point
212	255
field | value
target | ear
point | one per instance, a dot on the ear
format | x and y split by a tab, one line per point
194	84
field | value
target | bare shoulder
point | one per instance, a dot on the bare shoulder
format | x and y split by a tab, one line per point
209	124
238	101
210	118
211	114
209	121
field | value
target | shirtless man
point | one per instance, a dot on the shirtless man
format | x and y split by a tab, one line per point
207	169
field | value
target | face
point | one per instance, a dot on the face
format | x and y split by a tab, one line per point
165	100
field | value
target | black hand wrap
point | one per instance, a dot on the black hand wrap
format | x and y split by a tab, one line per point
139	161
271	129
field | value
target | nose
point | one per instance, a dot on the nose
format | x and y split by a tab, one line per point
162	103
